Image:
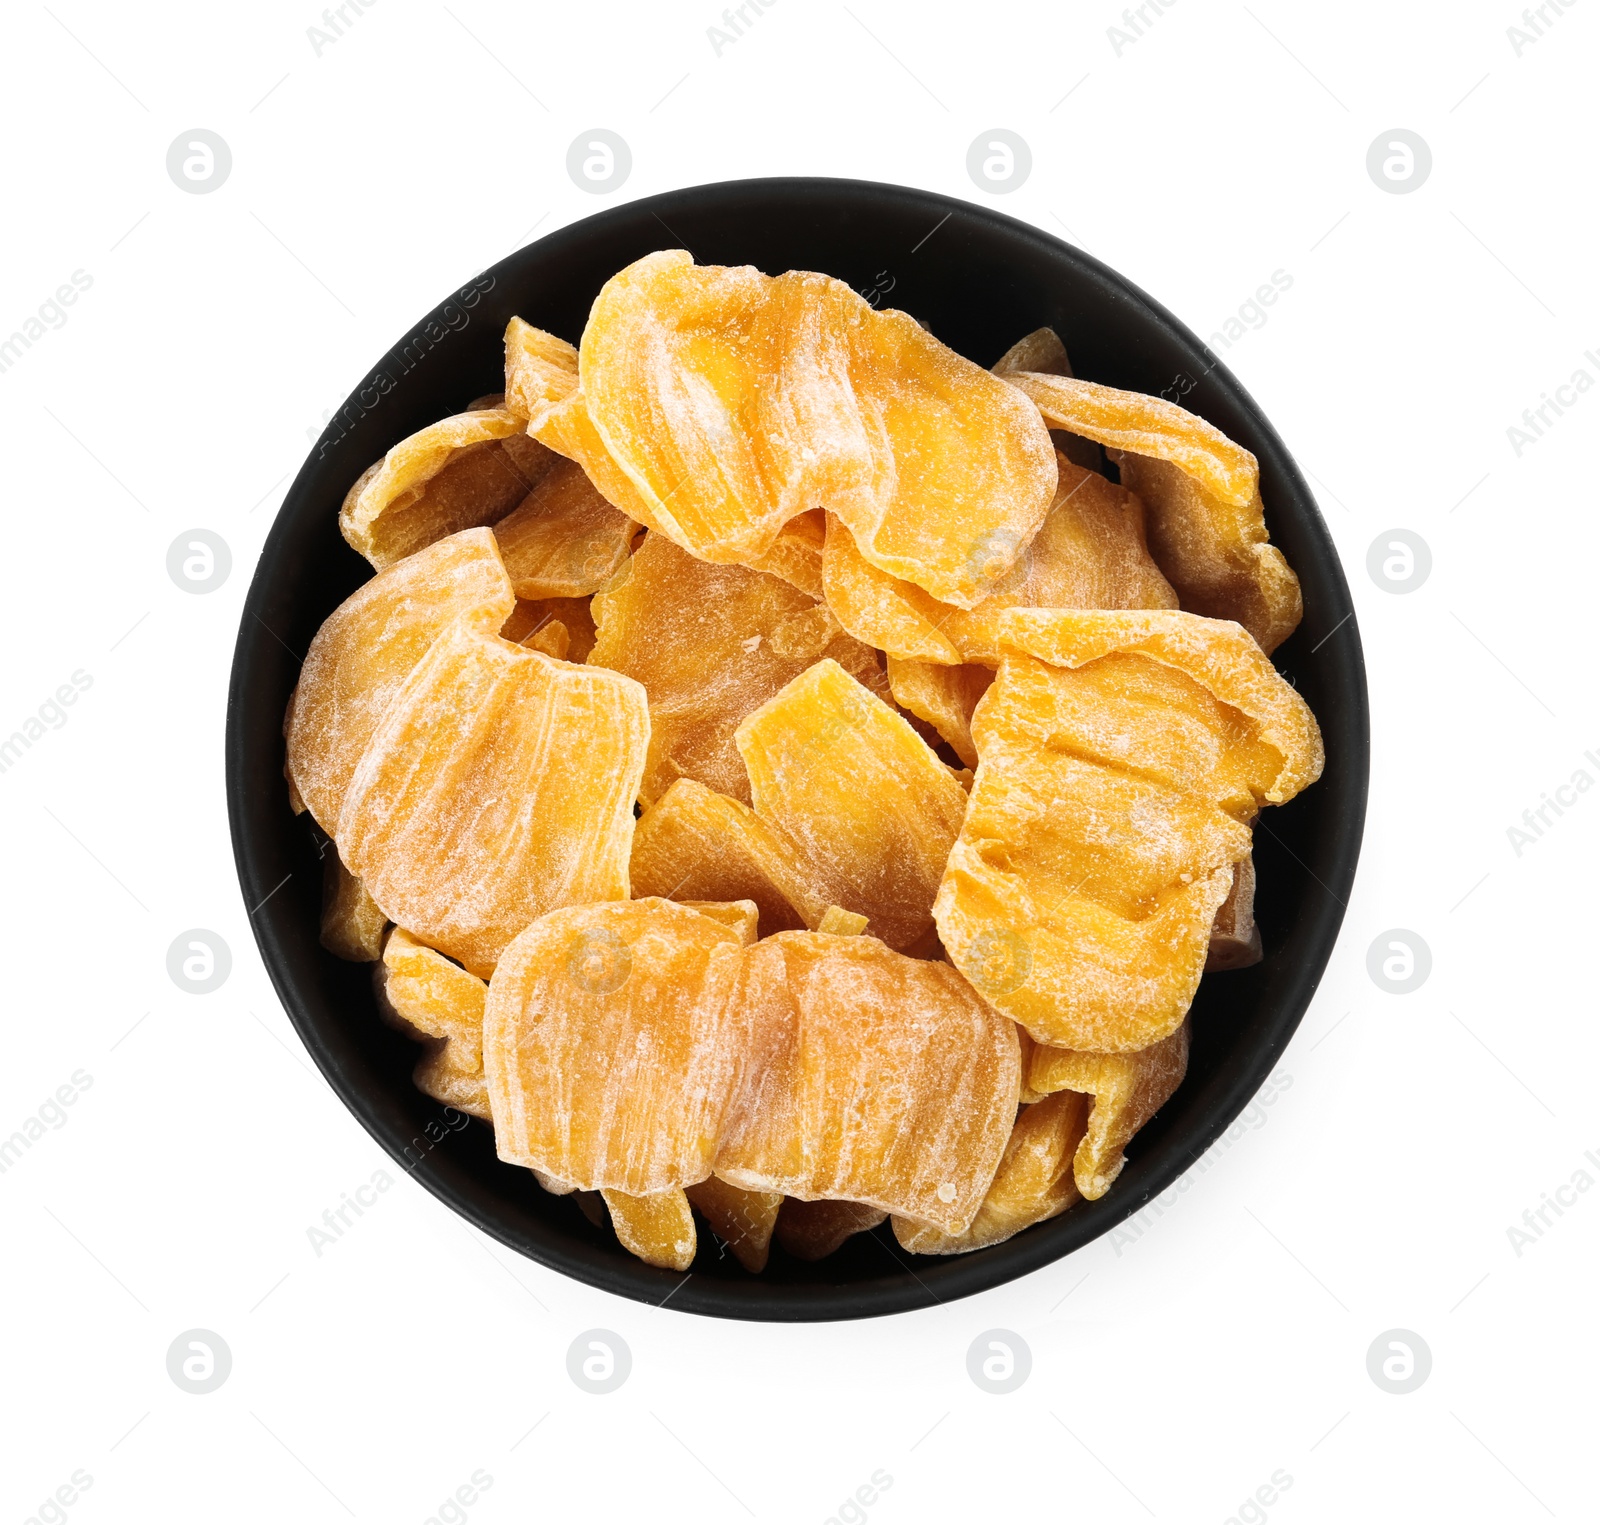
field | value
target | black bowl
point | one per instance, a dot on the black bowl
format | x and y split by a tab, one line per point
980	281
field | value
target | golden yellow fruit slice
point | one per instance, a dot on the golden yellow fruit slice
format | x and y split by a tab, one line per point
838	922
741	917
659	1228
1034	1181
1122	756
366	650
742	1220
710	644
532	617
796	555
943	696
499	785
1128	1090
563	540
858	798
875	1078
612	1049
694	844
541	371
1235	937
566	428
422	992
1202	496
1041	351
1090	554
352	923
814	1230
733	402
457	474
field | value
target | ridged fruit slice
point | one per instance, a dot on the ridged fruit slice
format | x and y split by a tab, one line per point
882	1079
1122	758
423	993
541	371
1202	498
710	644
366	650
859	799
563	540
1034	1181
457	474
499	786
1128	1090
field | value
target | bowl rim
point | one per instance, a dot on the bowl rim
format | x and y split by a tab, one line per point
920	1282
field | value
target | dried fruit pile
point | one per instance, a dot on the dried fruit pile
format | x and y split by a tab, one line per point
646	754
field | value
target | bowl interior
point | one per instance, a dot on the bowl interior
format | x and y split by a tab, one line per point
980	281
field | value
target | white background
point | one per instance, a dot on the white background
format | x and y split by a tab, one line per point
1172	1376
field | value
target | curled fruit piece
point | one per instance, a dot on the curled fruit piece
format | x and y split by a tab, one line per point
733	402
857	797
658	1228
1034	1181
541	370
352	922
499	785
1122	758
1235	937
457	474
945	697
533	619
422	992
563	540
814	1230
742	1220
366	650
1128	1090
710	644
1202	496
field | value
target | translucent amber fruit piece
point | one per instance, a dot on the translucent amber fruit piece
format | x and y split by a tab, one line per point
423	992
457	474
876	1078
352	923
1235	937
741	917
566	428
1090	554
1034	1181
551	638
796	555
814	1230
541	370
563	540
1202	495
857	797
499	785
659	1228
1115	787
533	616
733	401
366	650
945	697
1128	1090
695	844
710	644
742	1220
1041	351
841	923
612	1049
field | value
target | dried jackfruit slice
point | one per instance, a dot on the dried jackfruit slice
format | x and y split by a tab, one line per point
1043	353
352	923
1122	756
566	428
742	1220
945	697
710	644
857	797
838	922
1128	1090
455	475
366	650
422	992
499	785
533	616
814	1230
541	371
695	844
796	555
612	1050
733	402
1201	494
1089	554
876	1078
1034	1181
658	1228
563	540
1235	937
741	917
